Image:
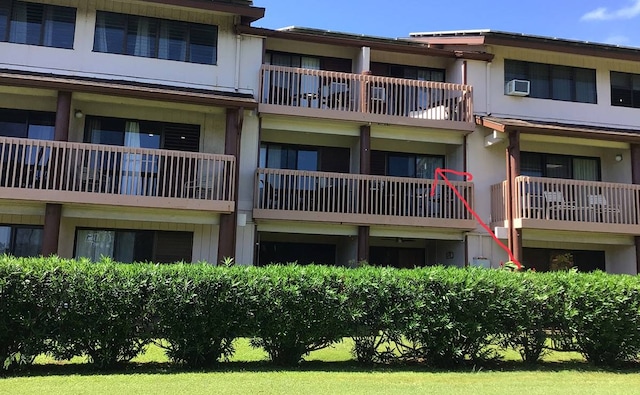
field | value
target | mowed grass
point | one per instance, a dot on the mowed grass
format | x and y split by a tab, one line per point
328	371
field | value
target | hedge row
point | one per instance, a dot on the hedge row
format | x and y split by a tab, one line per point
438	316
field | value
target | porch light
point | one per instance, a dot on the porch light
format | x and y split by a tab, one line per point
618	157
78	114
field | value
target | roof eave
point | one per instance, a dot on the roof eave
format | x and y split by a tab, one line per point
390	45
248	14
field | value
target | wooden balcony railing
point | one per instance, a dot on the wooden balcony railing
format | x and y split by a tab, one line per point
354	198
360	94
59	171
580	205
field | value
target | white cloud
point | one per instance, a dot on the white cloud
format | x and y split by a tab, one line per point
604	14
618	40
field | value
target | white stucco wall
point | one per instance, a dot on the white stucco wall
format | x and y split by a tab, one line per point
82	61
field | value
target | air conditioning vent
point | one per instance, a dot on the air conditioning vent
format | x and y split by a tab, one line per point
518	88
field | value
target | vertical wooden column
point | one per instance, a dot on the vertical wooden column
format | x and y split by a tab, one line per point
51	230
365	168
53	212
635	179
229	222
63	113
513	171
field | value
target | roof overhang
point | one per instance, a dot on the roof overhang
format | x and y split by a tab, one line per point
128	89
358	41
505	125
553	44
247	12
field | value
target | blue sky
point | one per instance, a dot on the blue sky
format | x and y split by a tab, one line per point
603	21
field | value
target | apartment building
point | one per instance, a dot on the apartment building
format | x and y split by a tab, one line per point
555	151
120	125
165	130
352	129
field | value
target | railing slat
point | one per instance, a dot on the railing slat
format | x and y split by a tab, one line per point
329	90
293	190
92	168
568	200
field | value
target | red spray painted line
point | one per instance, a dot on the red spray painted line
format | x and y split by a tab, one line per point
468	176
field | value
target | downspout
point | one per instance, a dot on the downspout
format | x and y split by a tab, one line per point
236	77
488	91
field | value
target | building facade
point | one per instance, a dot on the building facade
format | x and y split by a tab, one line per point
175	130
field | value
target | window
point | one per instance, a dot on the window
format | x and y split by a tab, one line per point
128	246
27	124
625	89
37	24
554	82
308	62
398	164
544	260
142	134
297	157
156	38
536	164
20	241
408	72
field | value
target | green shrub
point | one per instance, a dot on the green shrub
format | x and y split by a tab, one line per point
532	309
106	311
452	317
27	293
603	312
438	316
201	310
300	309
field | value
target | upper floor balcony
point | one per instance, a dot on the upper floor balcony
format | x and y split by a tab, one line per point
360	199
66	172
365	98
571	205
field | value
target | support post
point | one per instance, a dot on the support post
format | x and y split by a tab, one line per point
229	222
365	168
635	179
51	231
513	171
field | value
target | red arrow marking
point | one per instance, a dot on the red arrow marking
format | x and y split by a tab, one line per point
442	174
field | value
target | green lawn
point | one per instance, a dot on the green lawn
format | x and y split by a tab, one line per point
329	371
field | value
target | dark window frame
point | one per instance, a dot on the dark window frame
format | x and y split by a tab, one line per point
320	151
46	10
146	127
326	63
393	70
415	156
189	38
618	92
152	232
31	118
543	86
543	161
13	235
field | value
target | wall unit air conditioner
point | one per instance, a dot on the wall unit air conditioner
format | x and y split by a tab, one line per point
518	88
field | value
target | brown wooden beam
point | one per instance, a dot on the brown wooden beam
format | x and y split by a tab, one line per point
63	113
363	244
229	222
365	168
365	149
51	231
513	171
635	178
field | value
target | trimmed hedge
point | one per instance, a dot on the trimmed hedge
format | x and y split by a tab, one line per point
440	316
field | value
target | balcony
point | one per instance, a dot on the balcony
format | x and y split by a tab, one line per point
64	172
365	98
359	199
572	205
